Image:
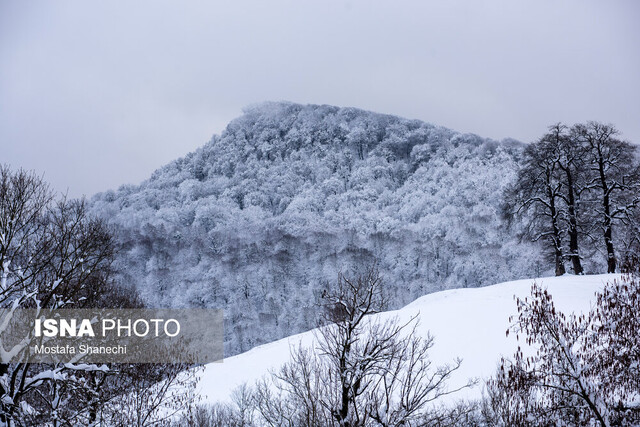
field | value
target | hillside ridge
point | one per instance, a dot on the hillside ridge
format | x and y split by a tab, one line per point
465	323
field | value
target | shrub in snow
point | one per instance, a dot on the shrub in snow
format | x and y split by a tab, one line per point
585	367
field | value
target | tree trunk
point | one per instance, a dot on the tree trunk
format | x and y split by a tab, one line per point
4	411
608	239
606	223
559	263
574	254
557	246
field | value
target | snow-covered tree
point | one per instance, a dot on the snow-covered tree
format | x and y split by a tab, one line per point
583	369
53	255
614	179
536	195
578	185
362	372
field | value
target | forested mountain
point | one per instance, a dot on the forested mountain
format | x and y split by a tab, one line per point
260	220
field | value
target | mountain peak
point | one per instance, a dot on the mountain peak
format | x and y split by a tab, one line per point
289	195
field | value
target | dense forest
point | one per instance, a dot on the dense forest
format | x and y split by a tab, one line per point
261	219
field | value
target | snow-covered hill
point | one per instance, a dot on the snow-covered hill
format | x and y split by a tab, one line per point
260	220
466	323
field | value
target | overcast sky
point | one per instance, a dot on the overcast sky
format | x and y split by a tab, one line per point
97	94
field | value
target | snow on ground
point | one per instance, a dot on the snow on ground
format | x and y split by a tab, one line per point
466	323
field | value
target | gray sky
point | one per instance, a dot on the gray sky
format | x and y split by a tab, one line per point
98	94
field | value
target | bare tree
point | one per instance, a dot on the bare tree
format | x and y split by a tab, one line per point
53	255
293	396
240	412
584	369
364	370
537	195
569	155
148	394
614	325
615	176
509	399
573	182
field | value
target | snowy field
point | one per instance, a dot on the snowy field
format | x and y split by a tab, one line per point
465	323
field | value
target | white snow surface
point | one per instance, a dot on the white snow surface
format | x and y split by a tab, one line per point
467	323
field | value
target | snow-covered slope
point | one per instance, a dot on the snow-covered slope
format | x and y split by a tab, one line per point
466	323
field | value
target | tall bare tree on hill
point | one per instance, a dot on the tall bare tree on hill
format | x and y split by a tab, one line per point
569	157
537	195
364	371
614	179
577	184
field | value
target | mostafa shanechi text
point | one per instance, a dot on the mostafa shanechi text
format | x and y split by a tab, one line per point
112	336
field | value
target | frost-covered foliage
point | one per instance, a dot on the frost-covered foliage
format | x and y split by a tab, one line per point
260	219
